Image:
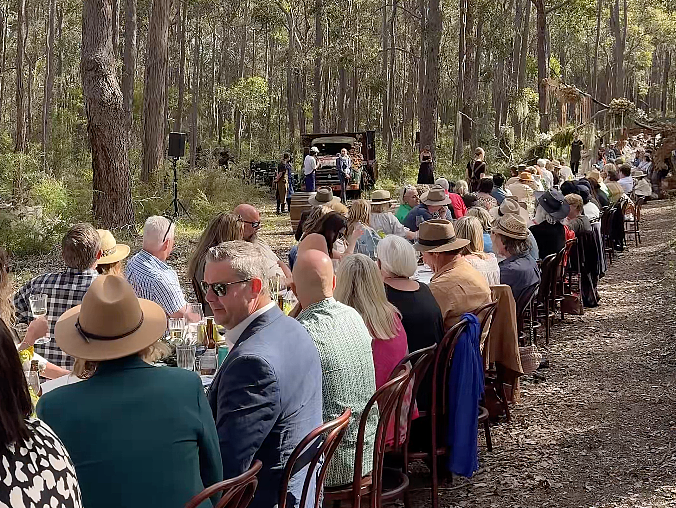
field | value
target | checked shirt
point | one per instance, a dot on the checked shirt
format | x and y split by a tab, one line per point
64	291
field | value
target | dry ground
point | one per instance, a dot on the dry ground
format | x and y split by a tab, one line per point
601	430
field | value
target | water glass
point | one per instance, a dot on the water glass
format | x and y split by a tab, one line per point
38	303
185	356
176	329
195	313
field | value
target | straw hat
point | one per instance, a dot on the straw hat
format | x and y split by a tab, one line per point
637	173
323	196
513	226
510	204
438	235
435	196
595	175
554	204
111	251
111	322
381	197
526	176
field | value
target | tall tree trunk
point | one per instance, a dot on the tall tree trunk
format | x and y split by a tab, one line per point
468	88
316	103
290	95
340	99
154	97
3	53
129	64
665	80
49	83
116	28
108	135
543	64
422	9
390	82
384	81
430	99
21	144
181	68
597	44
460	97
477	75
194	134
240	75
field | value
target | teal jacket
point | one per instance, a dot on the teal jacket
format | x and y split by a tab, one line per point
139	436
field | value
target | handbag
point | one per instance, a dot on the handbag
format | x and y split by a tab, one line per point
572	304
530	358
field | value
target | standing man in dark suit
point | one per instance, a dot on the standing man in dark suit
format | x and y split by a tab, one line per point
267	394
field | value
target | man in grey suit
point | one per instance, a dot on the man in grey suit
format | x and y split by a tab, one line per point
267	395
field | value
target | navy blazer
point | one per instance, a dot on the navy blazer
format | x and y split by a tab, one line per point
265	398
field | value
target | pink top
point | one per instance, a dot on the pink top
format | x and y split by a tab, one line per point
386	356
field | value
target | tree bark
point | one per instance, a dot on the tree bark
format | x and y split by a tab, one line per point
317	100
543	64
384	80
460	98
108	136
3	54
194	135
154	97
21	144
178	120
468	88
665	80
599	9
240	75
129	61
430	99
340	100
49	83
116	28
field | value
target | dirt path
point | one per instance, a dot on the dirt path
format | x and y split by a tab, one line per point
601	430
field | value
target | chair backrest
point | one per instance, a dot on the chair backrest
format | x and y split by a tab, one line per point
420	362
547	272
637	208
485	316
236	492
524	302
441	368
385	399
320	443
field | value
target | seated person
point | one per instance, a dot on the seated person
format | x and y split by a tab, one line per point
518	269
484	196
626	181
344	346
548	230
576	220
456	285
470	229
409	200
434	203
485	220
457	206
382	220
358	221
499	192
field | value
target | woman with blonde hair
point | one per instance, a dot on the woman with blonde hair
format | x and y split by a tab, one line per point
485	219
222	228
359	285
112	254
358	220
469	228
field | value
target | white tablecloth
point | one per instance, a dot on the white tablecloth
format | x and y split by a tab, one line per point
423	274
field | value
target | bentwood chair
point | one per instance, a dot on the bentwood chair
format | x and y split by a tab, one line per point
568	270
547	285
632	227
370	487
525	312
235	493
319	444
485	315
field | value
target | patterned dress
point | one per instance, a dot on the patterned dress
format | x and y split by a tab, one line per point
38	472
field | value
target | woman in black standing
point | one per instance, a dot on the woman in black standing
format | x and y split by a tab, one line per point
426	171
476	169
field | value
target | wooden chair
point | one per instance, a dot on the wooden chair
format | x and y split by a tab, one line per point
485	316
544	300
370	487
568	271
525	310
633	227
606	223
236	492
320	443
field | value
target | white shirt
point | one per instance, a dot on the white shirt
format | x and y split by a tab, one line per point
233	335
309	164
565	173
591	211
388	224
627	183
548	177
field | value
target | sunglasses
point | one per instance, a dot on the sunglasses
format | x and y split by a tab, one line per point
219	288
254	224
171	222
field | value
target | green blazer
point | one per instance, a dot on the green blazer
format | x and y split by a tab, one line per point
139	436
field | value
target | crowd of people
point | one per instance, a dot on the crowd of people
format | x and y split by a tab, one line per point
373	281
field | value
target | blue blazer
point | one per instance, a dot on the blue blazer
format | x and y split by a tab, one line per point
265	398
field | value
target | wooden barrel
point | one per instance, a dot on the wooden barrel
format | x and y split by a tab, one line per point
299	203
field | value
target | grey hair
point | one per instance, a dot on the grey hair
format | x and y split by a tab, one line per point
443	182
397	256
245	258
154	230
461	187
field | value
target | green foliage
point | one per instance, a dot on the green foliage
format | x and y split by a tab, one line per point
249	95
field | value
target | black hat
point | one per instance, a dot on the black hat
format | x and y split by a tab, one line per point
554	204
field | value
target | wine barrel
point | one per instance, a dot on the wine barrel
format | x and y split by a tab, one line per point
299	203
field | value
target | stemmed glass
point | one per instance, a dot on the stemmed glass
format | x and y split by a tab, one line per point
38	303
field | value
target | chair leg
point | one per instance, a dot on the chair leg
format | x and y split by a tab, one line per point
487	432
435	473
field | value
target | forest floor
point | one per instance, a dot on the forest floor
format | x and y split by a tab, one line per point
600	431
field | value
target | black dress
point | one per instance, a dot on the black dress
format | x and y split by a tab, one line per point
426	171
474	171
424	326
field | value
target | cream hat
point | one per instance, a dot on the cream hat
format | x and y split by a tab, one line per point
111	251
436	196
324	196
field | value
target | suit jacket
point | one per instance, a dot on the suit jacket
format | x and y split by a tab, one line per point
265	398
138	435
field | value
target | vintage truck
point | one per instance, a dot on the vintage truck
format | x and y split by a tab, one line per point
361	148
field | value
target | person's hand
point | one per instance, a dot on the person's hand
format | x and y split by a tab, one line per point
357	232
39	327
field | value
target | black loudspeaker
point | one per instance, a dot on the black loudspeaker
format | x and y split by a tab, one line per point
176	144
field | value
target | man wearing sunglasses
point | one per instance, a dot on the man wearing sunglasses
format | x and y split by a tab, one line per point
267	395
251	218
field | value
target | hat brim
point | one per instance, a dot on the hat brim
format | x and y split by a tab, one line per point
458	244
121	252
71	342
497	228
559	214
385	202
314	202
424	200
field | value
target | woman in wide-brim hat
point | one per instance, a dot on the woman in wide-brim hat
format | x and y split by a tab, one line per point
383	220
141	424
548	230
112	254
323	196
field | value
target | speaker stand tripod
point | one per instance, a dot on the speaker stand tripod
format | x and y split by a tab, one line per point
176	206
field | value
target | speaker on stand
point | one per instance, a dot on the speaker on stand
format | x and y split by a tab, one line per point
175	151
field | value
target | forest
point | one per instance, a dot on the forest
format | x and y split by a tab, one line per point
90	90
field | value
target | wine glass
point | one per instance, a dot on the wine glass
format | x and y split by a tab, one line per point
176	330
195	313
38	303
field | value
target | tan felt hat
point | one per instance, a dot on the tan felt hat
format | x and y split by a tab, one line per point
111	251
111	323
438	235
435	196
323	196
